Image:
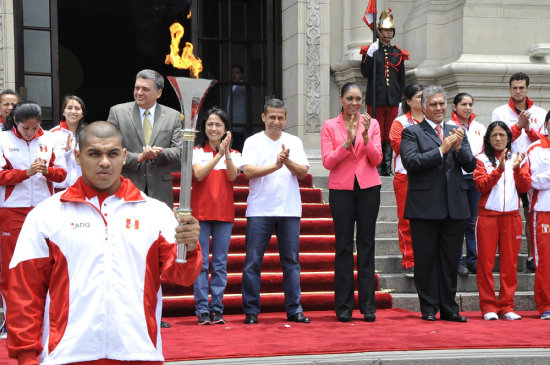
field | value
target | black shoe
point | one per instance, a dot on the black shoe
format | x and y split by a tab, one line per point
165	324
530	266
455	317
298	317
204	319
216	318
370	317
344	317
251	318
386	159
409	272
428	317
462	270
472	268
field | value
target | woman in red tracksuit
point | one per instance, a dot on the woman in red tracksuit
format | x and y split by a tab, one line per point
28	166
499	178
412	114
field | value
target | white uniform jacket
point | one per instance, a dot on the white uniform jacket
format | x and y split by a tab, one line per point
16	156
538	155
85	278
521	139
499	187
401	122
61	134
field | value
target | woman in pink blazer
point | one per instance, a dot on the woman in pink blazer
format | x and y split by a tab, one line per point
351	150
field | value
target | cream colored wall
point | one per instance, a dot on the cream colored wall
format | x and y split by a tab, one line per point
7	48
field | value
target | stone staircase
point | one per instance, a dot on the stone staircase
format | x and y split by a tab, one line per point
402	289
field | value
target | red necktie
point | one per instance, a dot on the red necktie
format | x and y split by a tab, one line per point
439	132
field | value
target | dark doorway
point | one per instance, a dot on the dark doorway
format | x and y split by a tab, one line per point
104	43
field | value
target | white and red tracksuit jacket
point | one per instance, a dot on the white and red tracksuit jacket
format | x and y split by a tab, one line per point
61	134
475	132
16	156
401	122
520	139
85	276
499	187
538	155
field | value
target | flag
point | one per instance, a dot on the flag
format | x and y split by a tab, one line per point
370	14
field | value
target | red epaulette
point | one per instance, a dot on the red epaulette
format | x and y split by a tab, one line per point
364	50
404	52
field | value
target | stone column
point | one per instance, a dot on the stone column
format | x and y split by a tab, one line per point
7	48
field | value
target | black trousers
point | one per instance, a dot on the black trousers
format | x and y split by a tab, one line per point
349	207
437	246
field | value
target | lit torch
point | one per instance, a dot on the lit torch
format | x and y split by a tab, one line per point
191	93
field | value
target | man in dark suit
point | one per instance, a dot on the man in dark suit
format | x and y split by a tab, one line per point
433	153
151	133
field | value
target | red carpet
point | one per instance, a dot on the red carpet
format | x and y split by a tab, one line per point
394	330
316	261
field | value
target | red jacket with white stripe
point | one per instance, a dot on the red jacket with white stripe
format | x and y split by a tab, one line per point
538	155
499	187
85	276
16	156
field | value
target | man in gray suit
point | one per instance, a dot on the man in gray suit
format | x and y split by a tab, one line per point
151	134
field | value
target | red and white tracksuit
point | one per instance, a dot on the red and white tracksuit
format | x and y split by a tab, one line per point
20	193
86	275
498	225
62	133
538	155
400	189
521	139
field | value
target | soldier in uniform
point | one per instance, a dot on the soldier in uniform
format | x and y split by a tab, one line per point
386	85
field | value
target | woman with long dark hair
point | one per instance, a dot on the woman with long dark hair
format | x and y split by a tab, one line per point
463	116
499	176
29	164
73	110
412	114
214	170
351	150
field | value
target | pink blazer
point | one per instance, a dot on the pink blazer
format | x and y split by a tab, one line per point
359	160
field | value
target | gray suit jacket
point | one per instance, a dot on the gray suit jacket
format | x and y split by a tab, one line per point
436	186
155	175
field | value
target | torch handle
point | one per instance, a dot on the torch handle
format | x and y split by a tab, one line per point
181	255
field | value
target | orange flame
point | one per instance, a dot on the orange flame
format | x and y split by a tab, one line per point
189	15
187	60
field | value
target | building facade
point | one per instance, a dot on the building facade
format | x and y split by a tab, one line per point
469	46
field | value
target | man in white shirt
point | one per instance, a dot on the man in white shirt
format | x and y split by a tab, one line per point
273	161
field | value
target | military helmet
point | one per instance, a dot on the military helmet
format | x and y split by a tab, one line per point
386	22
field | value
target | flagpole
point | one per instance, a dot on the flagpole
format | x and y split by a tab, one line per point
374	37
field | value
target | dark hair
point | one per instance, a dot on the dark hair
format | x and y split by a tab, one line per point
274	103
239	67
79	100
100	129
9	92
22	112
157	78
520	76
458	98
487	148
410	92
347	86
202	139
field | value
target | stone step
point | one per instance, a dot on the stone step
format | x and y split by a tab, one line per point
391	264
523	301
398	283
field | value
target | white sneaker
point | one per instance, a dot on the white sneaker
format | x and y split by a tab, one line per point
490	316
545	315
510	316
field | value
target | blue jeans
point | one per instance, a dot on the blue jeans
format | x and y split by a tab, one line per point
469	231
258	234
221	235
